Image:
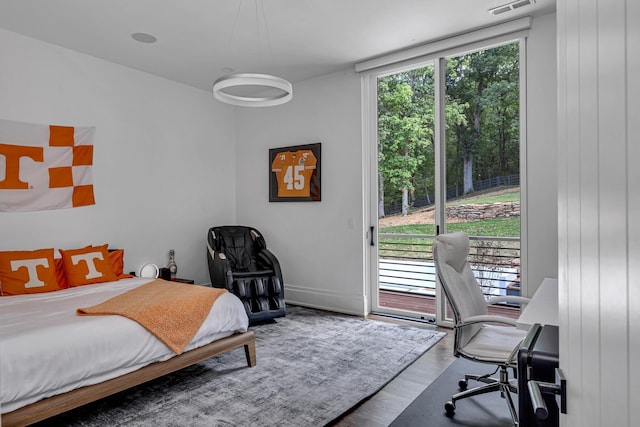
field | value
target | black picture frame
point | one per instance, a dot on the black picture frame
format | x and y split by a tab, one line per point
294	173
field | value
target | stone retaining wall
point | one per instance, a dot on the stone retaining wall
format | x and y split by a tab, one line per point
486	211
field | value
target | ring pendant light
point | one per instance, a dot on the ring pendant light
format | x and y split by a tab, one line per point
265	81
253	89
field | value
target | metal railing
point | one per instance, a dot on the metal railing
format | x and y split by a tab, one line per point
405	263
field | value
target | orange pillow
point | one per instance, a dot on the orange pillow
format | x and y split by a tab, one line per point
116	258
60	276
87	265
27	272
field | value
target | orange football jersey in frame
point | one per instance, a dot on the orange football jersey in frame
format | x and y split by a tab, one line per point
293	171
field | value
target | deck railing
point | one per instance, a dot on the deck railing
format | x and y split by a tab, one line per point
406	263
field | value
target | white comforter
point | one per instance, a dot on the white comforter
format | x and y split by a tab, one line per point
46	349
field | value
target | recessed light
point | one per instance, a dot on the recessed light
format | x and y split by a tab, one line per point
144	37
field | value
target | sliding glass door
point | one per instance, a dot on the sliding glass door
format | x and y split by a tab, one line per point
447	158
405	190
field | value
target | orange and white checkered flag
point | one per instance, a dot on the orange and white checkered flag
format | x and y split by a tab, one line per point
45	167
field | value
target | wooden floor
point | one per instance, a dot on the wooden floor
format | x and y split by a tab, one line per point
383	407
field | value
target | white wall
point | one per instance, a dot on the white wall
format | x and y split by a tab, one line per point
321	255
599	201
541	193
164	160
319	244
166	167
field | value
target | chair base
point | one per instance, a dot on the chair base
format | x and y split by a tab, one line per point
501	384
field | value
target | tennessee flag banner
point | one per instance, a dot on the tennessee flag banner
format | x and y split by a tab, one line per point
45	166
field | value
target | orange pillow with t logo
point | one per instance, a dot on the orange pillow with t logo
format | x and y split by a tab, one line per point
87	265
27	272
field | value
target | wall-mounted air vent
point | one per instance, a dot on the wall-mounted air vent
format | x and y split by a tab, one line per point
510	6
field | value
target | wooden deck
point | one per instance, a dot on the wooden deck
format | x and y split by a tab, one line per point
427	304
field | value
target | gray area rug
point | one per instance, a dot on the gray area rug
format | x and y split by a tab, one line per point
312	367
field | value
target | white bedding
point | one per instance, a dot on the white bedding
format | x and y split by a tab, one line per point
46	349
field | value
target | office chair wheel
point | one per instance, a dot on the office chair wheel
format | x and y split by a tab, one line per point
450	408
463	384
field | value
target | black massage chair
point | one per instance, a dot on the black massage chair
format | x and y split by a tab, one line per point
240	262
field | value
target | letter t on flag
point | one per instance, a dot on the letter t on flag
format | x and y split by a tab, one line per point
45	166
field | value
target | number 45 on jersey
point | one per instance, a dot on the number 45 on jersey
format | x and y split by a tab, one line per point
293	171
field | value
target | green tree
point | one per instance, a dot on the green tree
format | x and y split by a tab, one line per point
500	132
405	133
486	84
482	125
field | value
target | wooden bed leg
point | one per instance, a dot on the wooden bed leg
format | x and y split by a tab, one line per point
250	352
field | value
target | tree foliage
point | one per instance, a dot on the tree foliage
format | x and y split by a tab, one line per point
405	130
482	125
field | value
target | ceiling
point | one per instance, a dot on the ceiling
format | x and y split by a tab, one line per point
199	41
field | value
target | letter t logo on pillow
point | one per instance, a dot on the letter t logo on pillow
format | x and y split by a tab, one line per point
32	271
27	272
87	265
88	260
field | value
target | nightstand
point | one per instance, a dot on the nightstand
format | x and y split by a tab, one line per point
187	281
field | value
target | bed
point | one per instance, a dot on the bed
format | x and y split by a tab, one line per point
52	360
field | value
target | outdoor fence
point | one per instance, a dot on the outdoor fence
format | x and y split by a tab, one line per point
455	192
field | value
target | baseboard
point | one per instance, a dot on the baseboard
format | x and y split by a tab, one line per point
323	299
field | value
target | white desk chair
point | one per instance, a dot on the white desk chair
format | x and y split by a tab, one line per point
478	336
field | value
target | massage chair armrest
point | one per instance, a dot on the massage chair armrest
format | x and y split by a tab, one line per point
222	273
268	261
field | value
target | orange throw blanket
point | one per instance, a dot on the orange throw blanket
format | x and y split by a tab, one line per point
173	312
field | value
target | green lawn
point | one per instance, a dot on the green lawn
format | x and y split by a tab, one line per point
418	248
498	227
509	196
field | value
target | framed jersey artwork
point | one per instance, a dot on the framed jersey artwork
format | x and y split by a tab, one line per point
294	173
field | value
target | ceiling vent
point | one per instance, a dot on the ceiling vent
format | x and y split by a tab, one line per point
511	6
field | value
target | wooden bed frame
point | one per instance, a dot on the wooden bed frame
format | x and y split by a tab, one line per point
55	405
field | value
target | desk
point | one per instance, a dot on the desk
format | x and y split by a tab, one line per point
537	360
543	307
